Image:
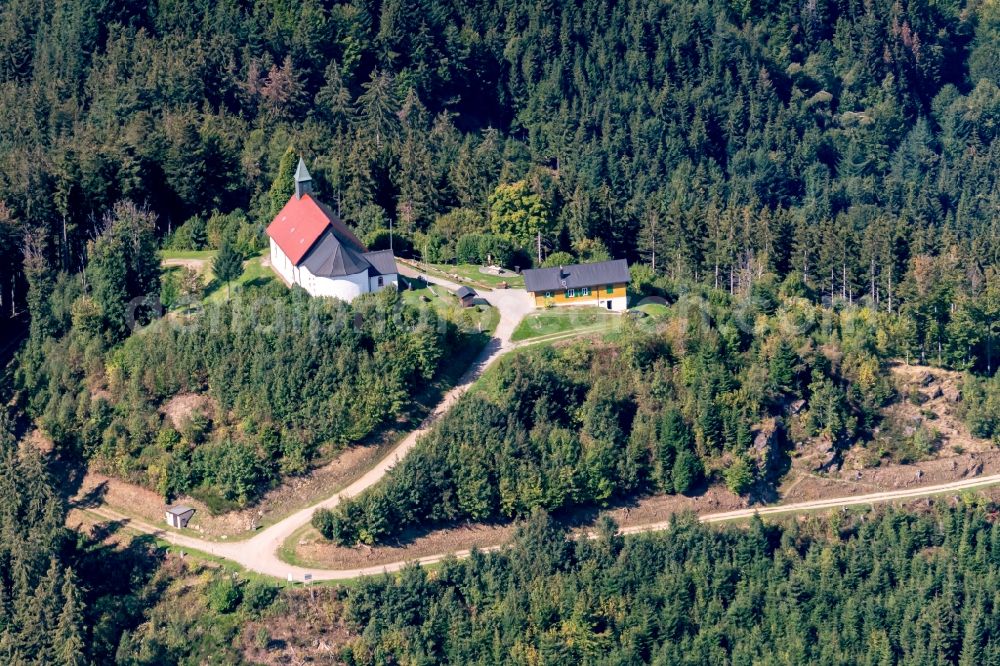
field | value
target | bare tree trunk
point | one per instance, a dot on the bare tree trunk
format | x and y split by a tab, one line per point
653	234
872	276
989	349
65	245
890	289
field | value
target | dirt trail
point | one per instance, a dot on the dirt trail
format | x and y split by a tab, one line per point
195	264
259	557
260	553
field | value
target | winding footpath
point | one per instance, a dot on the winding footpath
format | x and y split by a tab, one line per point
260	552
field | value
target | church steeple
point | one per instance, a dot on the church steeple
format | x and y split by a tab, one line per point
303	181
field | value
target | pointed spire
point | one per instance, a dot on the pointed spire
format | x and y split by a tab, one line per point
301	172
303	181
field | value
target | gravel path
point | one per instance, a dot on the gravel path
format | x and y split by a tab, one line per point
195	264
260	552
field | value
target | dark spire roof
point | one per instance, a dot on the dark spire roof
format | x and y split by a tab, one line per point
303	181
301	172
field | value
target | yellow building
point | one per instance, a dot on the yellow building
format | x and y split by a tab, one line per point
601	284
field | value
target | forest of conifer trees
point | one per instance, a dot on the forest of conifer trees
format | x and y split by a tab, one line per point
840	140
814	181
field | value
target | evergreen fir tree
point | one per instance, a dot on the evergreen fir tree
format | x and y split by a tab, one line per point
228	264
283	186
68	642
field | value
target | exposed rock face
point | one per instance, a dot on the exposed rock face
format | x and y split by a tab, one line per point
767	443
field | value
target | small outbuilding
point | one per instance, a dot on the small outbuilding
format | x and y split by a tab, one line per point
179	515
467	296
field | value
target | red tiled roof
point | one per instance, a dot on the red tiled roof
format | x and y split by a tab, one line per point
298	225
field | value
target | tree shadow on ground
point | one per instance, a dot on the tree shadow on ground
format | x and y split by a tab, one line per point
213	286
67	479
103	531
92	498
257	282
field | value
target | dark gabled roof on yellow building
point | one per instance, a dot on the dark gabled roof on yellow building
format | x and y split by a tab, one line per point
577	275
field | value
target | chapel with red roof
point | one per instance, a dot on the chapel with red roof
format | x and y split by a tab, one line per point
313	248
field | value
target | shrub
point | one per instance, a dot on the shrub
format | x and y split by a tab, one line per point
258	595
558	259
322	520
223	595
192	235
739	476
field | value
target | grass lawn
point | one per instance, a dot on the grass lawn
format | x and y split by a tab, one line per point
480	318
471	273
563	320
187	254
654	310
201	260
254	273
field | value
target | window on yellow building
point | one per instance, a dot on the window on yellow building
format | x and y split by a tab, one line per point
611	288
585	291
570	293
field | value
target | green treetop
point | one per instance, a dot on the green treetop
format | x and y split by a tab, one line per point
228	264
283	186
518	213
